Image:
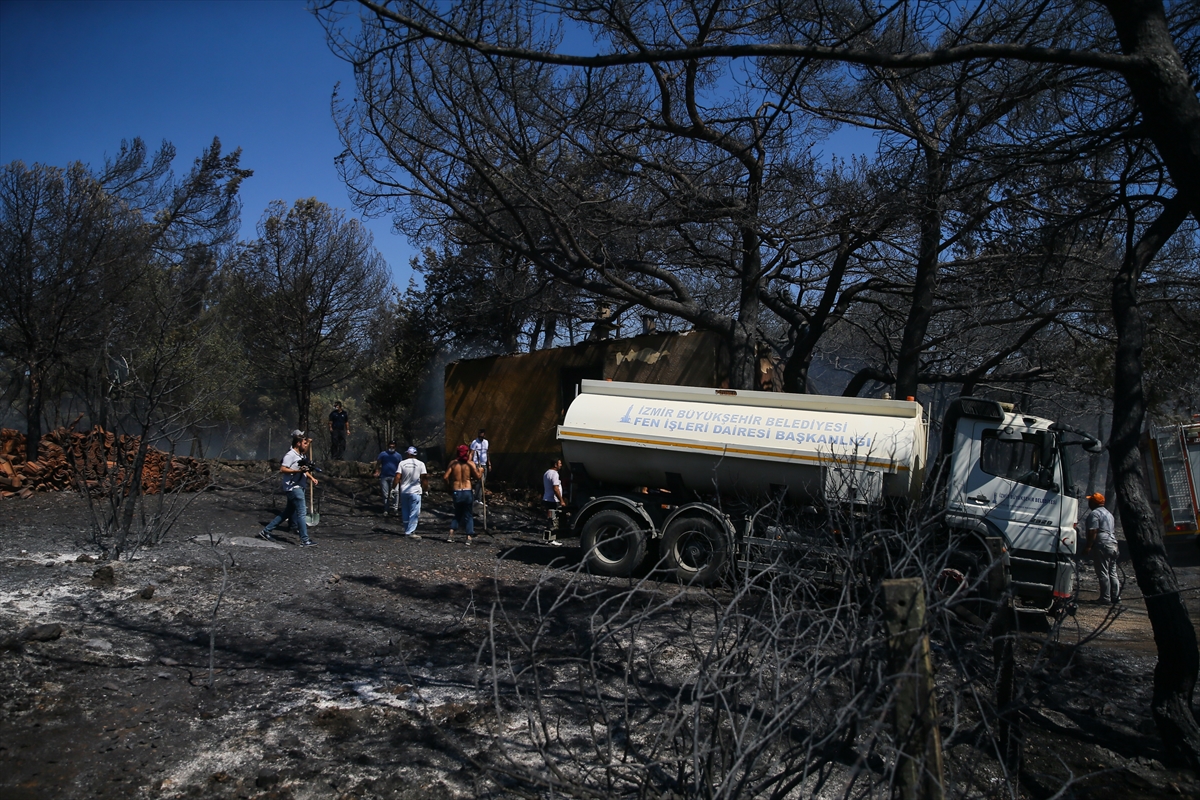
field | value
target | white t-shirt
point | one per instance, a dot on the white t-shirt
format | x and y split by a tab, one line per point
1101	519
410	472
549	481
291	480
479	450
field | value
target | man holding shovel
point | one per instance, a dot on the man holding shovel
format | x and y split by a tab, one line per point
294	473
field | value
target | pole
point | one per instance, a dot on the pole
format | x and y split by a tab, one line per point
919	768
1004	655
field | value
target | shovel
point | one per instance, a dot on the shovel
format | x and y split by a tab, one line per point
313	517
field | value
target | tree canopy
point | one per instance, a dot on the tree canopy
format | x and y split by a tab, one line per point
309	290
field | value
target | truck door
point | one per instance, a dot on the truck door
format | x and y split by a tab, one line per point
1012	485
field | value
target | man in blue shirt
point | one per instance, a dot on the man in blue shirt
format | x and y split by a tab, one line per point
389	461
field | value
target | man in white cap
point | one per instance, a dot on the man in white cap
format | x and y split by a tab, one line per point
412	481
294	471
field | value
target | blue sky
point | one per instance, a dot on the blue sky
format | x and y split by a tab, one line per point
78	77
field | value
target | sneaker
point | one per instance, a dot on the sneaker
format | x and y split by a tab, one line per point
265	536
308	543
412	536
556	543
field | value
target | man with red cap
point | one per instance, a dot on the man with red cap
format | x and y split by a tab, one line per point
459	476
1100	527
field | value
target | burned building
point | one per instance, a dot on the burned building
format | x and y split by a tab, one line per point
521	399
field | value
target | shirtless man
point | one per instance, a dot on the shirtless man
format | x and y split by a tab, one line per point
459	475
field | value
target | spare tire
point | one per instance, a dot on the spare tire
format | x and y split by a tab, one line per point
613	542
696	549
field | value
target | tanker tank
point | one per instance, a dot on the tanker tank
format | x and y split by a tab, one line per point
743	443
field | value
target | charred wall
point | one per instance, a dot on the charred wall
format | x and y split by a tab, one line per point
521	399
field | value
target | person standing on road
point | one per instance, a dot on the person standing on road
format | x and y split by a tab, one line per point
389	462
459	476
479	455
1100	527
294	474
552	498
339	429
412	481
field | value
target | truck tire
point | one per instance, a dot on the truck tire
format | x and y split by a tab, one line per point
695	549
614	544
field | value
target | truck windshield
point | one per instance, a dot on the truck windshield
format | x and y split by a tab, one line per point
1015	461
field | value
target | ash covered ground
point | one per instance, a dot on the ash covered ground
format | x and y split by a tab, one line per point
358	668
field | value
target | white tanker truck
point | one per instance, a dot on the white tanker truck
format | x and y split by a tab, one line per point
690	468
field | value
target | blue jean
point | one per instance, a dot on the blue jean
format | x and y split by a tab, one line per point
385	486
464	511
295	511
410	512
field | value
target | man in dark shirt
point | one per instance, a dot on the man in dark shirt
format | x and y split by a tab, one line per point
339	429
388	462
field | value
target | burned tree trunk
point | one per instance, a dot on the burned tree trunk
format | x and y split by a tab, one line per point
1174	636
33	413
303	402
1164	92
808	332
912	343
133	487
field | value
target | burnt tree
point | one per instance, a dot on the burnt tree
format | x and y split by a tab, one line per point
1174	635
308	290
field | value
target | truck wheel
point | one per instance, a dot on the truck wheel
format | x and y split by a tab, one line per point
613	544
695	549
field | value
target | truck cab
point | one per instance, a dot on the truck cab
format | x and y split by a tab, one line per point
1009	478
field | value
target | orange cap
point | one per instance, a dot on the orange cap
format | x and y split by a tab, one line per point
1099	498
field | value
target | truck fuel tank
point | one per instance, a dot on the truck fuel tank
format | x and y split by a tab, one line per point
745	442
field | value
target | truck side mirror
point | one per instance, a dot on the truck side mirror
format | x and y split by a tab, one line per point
1049	457
1049	450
